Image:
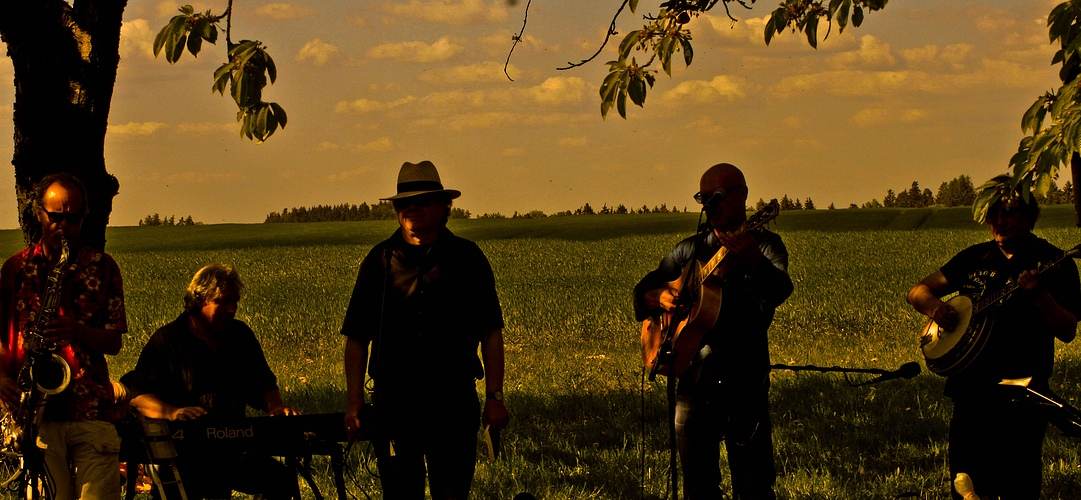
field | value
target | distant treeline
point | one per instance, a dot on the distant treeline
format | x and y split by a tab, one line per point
958	192
588	210
384	210
955	193
157	220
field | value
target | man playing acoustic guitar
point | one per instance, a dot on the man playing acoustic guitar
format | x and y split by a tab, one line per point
724	392
996	440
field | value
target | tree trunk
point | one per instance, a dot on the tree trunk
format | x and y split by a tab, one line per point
65	59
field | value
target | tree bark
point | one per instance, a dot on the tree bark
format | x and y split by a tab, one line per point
1075	174
65	59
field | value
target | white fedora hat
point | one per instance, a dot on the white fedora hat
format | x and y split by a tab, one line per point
415	179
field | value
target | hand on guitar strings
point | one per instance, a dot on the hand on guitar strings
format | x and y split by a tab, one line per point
666	298
946	317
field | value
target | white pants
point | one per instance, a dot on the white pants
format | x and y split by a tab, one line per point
82	459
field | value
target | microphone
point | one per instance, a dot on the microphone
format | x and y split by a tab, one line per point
907	370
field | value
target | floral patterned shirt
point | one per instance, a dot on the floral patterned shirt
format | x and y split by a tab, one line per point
92	294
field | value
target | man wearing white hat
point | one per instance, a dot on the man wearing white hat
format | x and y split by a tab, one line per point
424	300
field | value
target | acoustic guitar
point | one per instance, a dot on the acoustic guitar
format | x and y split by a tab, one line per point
949	352
700	303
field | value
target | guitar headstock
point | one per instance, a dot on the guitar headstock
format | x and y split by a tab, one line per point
763	216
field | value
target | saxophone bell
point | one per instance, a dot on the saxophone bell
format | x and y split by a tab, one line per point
51	374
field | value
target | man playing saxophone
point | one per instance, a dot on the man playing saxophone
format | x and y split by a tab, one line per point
76	438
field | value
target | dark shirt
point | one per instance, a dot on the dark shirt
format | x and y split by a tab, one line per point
439	302
92	293
182	370
1020	342
738	342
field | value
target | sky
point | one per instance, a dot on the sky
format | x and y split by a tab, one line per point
923	91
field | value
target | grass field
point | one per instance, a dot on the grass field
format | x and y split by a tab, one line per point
585	423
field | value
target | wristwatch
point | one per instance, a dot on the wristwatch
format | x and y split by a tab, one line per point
497	395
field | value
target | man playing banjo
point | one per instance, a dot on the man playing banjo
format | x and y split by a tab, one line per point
996	440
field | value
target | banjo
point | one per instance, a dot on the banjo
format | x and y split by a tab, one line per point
949	352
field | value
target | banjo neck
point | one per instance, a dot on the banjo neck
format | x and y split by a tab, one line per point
1004	293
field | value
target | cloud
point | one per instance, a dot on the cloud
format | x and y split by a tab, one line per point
926	54
490	119
364	105
497	44
200	177
416	51
882	116
283	11
573	142
558	90
701	91
169	8
871	52
989	75
318	51
208	128
452	99
954	55
135	129
348	174
137	39
996	22
513	152
450	11
488	71
381	144
751	30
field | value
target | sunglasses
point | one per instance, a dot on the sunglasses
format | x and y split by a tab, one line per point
715	197
73	218
421	201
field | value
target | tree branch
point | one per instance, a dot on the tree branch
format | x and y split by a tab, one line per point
611	31
517	38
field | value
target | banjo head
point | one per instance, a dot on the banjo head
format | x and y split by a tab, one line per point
949	352
942	341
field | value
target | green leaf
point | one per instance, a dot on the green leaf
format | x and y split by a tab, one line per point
221	78
988	194
664	51
259	130
688	52
811	30
621	104
187	10
279	114
857	16
195	42
775	24
271	70
1033	118
842	15
834	5
633	4
174	48
628	43
637	91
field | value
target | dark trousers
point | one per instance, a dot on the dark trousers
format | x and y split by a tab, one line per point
998	443
708	412
218	477
434	437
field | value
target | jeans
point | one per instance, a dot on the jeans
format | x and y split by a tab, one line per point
707	412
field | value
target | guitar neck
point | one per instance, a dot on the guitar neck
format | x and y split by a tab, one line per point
1005	292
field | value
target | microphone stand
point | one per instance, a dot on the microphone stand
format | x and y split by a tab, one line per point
907	370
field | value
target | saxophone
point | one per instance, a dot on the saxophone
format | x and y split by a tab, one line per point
43	373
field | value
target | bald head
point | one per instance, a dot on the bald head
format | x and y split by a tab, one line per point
721	175
723	193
